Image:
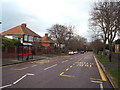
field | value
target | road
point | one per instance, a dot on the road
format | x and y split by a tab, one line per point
70	71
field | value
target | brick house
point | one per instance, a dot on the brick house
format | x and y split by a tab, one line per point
25	35
117	47
47	42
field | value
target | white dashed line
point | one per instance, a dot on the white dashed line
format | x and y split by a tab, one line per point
50	67
64	61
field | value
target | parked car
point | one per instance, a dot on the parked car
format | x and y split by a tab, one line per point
82	52
75	52
70	52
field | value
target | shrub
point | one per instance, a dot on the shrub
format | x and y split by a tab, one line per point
9	42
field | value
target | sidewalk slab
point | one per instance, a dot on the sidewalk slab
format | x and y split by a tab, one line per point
10	61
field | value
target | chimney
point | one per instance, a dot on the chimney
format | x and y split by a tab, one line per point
46	34
23	25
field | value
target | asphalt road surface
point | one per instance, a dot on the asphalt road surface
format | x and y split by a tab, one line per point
70	71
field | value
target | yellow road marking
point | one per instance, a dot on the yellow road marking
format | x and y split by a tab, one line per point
100	71
71	66
62	73
67	76
90	65
20	68
67	69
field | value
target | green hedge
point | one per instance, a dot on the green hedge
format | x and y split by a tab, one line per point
9	42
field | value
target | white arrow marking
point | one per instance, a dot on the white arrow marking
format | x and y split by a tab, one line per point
5	86
22	78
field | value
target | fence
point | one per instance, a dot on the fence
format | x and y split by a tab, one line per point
12	52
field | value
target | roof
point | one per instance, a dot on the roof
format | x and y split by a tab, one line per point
20	30
46	39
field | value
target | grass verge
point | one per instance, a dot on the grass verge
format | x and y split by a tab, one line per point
111	69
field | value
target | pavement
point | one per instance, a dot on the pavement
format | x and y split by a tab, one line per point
9	61
70	71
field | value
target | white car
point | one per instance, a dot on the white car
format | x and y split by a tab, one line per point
70	52
75	52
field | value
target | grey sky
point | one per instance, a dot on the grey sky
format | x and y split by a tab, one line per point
42	14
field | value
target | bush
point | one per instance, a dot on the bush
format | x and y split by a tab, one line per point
9	42
117	41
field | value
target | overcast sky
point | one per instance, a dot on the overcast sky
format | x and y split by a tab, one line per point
40	15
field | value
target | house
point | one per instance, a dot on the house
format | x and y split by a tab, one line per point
47	42
117	45
23	33
26	36
62	45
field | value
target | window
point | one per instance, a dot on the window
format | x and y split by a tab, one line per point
34	39
15	37
38	39
25	37
31	38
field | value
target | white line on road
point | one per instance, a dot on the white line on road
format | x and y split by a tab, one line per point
101	85
64	61
5	86
50	67
22	78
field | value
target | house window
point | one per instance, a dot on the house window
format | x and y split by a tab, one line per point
25	37
38	39
15	37
34	39
31	38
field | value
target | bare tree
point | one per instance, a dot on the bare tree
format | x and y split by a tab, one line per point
97	45
104	21
77	43
61	33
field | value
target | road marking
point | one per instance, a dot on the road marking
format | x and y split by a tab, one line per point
95	79
6	86
22	78
64	61
34	65
67	76
99	82
100	71
71	66
61	73
50	67
67	69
